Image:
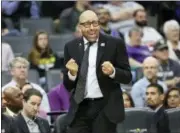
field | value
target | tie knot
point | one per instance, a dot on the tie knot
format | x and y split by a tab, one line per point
90	43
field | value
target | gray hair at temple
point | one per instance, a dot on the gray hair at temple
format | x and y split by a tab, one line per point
135	29
18	60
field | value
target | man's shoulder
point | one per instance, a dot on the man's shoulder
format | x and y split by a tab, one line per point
73	42
38	87
10	84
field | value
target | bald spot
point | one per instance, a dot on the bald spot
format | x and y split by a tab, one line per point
10	91
87	15
150	60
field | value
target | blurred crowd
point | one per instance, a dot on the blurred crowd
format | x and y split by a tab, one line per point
151	31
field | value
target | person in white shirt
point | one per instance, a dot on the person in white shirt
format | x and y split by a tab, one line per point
19	71
150	35
7	56
171	30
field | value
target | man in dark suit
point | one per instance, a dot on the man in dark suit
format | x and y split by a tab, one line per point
96	64
155	97
28	121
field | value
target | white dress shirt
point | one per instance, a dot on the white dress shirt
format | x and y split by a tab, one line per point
92	89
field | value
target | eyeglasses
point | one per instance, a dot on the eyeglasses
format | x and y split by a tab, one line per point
88	24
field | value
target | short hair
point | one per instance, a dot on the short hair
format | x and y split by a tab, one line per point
135	29
158	87
31	92
138	10
170	24
18	60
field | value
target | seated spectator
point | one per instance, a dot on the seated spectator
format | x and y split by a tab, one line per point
168	68
27	121
136	52
69	17
172	33
104	19
28	86
128	102
172	98
154	98
59	97
5	31
7	56
41	56
138	92
150	35
17	9
19	71
122	14
13	97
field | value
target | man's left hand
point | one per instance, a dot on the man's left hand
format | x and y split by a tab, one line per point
107	68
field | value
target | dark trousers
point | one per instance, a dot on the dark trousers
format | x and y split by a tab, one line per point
90	118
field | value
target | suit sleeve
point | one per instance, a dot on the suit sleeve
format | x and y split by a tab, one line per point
69	84
123	72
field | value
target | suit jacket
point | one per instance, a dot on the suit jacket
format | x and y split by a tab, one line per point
161	121
109	49
8	124
23	128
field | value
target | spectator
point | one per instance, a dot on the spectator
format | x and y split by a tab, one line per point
172	98
41	56
7	56
28	86
104	19
136	52
172	32
19	71
28	121
13	97
59	97
122	14
138	92
150	35
128	102
69	17
168	68
17	9
155	97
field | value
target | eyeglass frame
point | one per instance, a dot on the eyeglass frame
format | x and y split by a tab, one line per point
94	23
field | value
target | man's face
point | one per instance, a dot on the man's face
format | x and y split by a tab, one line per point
136	38
32	105
150	70
104	16
153	98
20	71
89	26
174	99
162	54
141	18
15	99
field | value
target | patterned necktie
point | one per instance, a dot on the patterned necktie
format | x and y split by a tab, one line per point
81	83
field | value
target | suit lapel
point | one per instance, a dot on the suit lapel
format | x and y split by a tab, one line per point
22	124
40	125
101	48
80	50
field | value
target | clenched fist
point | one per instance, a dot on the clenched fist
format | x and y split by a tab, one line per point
107	68
72	67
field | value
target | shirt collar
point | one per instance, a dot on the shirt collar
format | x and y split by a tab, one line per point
86	41
10	113
26	118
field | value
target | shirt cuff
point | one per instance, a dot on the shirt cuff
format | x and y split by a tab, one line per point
113	75
71	77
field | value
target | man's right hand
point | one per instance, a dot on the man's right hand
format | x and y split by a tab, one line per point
72	67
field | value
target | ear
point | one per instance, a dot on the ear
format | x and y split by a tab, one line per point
162	97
